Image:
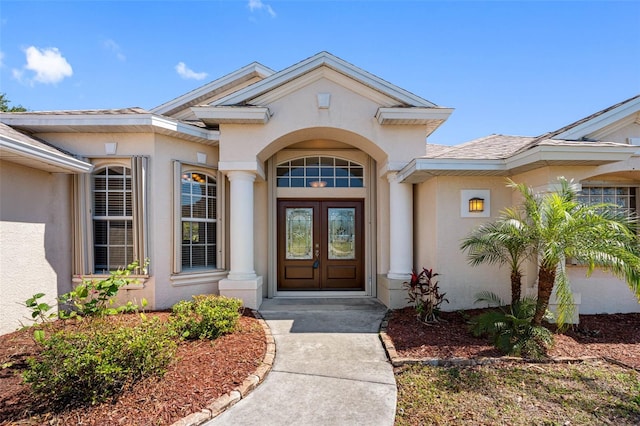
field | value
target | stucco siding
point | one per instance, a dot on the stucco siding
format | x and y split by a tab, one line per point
601	293
35	231
458	278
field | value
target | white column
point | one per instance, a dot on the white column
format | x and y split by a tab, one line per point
400	228
241	225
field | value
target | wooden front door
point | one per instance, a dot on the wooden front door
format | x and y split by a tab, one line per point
320	245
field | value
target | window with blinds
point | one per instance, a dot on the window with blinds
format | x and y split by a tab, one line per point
112	219
198	200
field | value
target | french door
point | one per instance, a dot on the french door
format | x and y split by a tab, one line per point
320	245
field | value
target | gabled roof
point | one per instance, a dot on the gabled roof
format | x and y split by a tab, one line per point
209	90
126	120
579	130
245	95
23	149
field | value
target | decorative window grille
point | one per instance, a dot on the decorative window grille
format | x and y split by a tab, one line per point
622	197
319	171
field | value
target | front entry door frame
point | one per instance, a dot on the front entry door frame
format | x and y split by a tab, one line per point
368	194
321	245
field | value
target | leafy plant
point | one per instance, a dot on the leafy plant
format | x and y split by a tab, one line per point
89	366
39	310
511	327
424	294
502	242
96	297
206	317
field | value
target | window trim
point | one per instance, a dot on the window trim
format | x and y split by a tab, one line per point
179	276
108	218
83	242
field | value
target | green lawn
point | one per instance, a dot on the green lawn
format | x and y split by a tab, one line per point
595	393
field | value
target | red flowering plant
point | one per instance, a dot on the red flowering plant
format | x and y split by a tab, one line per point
424	294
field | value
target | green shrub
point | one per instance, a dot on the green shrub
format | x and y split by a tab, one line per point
206	317
89	366
95	297
511	327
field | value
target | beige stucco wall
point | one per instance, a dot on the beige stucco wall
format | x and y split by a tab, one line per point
159	289
457	278
35	231
296	117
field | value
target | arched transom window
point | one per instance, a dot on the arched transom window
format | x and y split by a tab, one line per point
320	171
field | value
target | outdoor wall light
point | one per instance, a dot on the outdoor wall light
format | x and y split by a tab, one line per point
318	184
476	205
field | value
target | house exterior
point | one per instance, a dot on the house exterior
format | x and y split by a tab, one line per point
312	181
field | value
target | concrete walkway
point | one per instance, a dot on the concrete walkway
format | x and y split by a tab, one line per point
330	367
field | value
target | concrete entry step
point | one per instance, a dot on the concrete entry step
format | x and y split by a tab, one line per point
324	303
357	315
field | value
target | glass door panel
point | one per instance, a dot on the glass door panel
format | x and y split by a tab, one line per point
341	235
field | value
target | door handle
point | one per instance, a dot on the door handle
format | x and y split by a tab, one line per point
316	263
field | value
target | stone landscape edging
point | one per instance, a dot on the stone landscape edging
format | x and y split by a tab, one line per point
397	361
224	402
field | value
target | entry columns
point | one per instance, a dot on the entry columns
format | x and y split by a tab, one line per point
241	225
400	228
242	281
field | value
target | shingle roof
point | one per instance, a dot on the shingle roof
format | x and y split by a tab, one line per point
486	148
120	111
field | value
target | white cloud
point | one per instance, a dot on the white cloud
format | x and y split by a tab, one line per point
258	5
115	48
187	73
49	66
1	59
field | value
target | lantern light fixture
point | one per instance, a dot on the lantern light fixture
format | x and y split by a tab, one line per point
476	205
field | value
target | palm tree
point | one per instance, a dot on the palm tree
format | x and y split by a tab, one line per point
558	227
504	242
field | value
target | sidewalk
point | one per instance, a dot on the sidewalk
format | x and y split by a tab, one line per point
330	367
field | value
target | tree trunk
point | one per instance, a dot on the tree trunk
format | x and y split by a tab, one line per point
546	280
516	285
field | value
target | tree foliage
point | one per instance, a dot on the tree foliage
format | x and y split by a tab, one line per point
5	107
552	227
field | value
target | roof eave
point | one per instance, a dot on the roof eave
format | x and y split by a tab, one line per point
215	115
422	169
242	96
121	123
252	70
569	155
583	129
50	160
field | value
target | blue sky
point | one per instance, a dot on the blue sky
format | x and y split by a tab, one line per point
519	68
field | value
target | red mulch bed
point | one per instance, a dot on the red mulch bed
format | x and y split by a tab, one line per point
202	372
614	336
